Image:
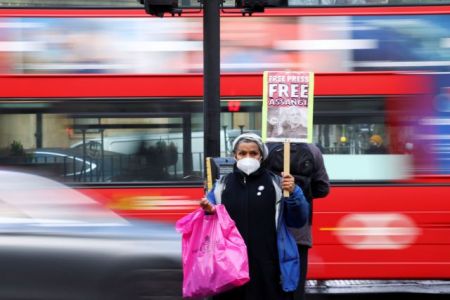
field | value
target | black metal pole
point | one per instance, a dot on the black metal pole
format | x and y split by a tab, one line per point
211	77
39	130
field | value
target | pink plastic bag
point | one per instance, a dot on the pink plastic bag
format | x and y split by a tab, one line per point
214	253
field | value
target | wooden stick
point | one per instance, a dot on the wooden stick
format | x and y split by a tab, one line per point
286	162
209	179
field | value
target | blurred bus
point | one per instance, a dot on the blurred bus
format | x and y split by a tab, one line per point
76	80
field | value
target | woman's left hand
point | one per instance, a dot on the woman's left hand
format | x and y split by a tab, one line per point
288	183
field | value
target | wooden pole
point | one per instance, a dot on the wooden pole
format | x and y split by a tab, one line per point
286	162
209	179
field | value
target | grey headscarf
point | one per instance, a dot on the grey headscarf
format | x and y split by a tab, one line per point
251	137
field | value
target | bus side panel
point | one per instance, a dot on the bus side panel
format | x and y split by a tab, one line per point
382	232
361	231
167	204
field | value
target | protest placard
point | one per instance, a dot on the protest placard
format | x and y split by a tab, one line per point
288	103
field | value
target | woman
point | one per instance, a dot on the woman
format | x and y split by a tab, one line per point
251	197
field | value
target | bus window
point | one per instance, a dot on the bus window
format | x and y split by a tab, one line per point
118	143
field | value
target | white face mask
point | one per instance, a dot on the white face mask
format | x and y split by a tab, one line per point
248	165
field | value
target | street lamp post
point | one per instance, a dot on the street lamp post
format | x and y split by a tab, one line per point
211	65
211	59
211	77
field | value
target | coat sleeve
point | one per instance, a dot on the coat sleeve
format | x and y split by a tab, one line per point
320	183
215	194
210	195
296	209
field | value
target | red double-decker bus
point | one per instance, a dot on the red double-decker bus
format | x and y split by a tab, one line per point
110	101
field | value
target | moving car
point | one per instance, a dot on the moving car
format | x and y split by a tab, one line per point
57	243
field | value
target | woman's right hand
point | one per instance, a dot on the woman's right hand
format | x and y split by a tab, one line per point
207	206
